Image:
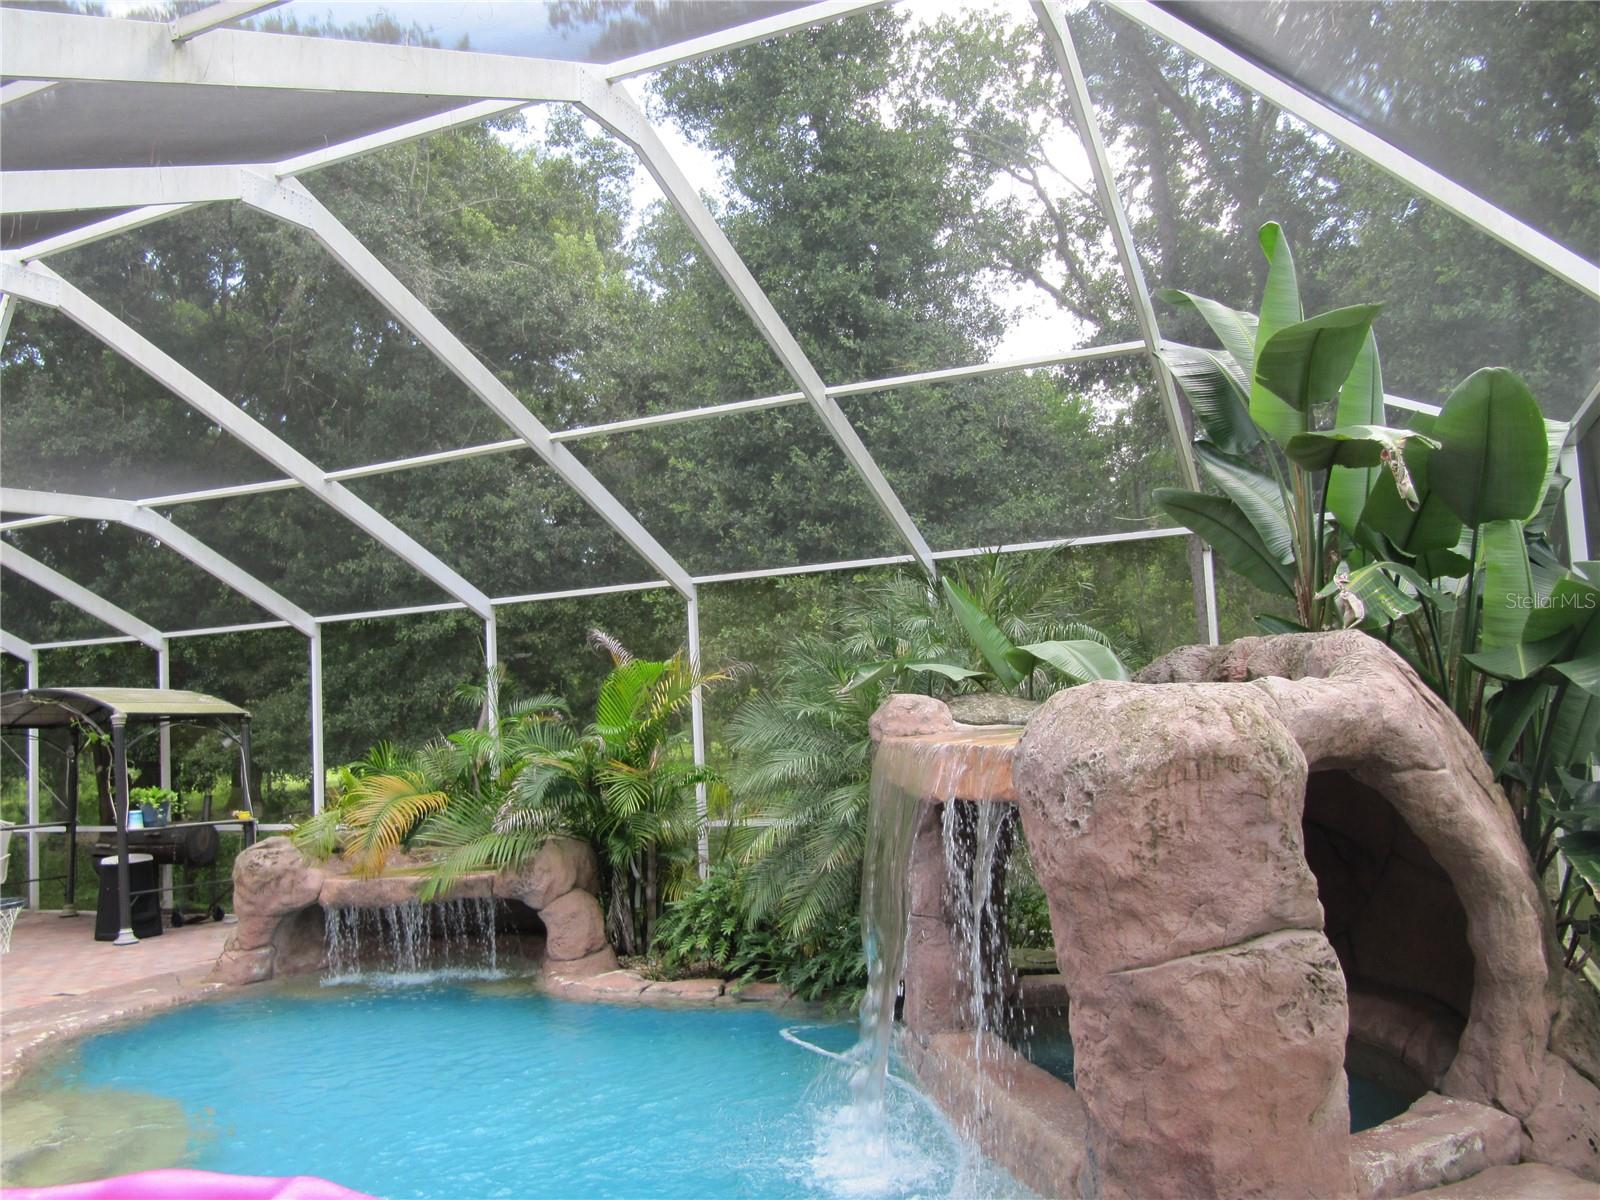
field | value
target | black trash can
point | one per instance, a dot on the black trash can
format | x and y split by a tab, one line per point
146	908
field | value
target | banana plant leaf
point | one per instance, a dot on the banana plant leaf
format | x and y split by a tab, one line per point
998	651
1582	850
1510	711
1575	729
1217	393
1540	524
1256	494
1220	522
1080	661
1573	601
1493	449
873	671
1508	597
1521	660
1583	667
1350	446
1360	403
1307	363
1280	308
1234	329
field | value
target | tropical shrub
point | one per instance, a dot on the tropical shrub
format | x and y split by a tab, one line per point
803	748
488	797
709	931
1432	537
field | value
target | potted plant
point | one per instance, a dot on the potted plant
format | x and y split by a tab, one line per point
160	805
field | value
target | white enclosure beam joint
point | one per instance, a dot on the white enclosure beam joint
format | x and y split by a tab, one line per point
39	284
8	309
739	35
123	512
215	16
290	202
1492	220
11	644
101	609
608	104
1058	37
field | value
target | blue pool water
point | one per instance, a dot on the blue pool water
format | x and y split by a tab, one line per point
456	1091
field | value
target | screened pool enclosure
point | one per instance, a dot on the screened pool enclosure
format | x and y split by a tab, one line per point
321	314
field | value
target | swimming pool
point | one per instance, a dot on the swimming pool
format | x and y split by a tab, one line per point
457	1090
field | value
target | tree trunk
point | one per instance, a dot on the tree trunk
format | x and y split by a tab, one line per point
652	899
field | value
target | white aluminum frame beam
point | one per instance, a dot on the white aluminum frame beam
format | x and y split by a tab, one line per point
613	108
21	89
697	727
1527	241
75	594
1058	38
314	160
84	189
215	16
39	284
652	585
737	36
123	512
631	424
291	203
57	46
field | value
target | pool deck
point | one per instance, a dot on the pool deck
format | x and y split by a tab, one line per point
57	981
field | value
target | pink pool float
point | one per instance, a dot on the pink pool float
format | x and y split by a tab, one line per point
176	1184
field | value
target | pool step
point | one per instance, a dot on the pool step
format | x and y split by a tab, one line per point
1437	1141
1526	1181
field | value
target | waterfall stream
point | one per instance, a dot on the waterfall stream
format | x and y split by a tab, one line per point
906	774
404	941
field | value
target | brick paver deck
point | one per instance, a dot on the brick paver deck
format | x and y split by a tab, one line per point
58	981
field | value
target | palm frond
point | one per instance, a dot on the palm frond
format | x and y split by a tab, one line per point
381	812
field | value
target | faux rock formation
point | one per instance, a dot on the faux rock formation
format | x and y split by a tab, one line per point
1251	852
279	896
1353	705
1208	1009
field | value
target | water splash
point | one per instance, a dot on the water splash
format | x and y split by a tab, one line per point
411	942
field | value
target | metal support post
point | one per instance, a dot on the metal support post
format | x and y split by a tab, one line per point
69	903
697	722
33	795
491	663
164	680
119	811
318	768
